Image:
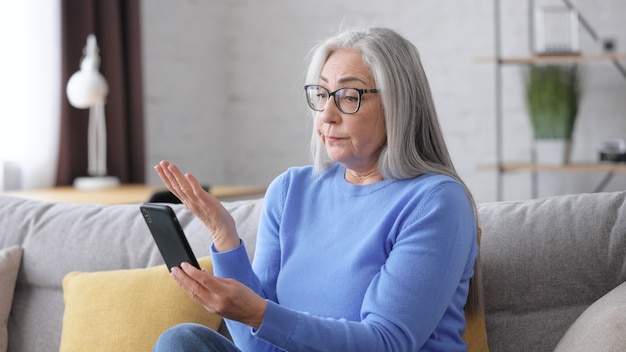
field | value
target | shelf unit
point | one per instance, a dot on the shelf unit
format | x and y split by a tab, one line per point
501	167
609	170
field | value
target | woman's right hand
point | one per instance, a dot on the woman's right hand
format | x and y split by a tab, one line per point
205	206
226	297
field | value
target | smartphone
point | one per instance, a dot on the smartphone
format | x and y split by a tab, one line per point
168	235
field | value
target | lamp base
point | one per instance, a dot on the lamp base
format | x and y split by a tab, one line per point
96	182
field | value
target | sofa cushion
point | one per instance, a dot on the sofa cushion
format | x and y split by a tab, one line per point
126	310
544	261
601	327
10	259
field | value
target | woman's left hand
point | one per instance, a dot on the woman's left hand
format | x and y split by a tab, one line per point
225	297
206	207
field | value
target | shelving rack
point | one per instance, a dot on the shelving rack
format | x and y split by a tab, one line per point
500	61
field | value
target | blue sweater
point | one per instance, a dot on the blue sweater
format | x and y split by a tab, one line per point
380	267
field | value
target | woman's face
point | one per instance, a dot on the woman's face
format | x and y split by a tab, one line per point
353	140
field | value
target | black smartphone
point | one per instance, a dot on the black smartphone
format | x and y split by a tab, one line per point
168	235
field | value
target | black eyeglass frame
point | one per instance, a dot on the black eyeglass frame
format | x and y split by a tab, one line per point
334	95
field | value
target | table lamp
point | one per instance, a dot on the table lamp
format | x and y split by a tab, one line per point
87	88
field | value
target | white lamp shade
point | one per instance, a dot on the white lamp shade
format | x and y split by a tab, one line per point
86	88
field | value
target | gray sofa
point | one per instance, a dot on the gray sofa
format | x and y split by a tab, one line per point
545	262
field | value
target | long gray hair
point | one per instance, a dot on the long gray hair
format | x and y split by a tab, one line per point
415	144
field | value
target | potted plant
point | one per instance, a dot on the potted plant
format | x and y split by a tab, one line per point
552	97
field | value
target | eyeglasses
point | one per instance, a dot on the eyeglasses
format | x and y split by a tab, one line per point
348	100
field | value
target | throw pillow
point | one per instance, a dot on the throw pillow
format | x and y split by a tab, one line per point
475	335
600	327
10	259
126	310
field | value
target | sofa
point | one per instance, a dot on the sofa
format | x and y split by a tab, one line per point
79	277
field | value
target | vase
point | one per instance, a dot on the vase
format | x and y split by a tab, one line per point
552	151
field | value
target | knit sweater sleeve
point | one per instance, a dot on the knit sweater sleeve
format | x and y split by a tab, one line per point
235	264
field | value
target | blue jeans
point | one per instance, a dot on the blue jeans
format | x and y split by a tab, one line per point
193	337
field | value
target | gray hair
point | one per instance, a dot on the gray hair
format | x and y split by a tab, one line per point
415	144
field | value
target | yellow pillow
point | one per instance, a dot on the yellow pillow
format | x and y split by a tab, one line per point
126	310
476	333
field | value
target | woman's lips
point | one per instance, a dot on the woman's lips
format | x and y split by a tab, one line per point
330	138
333	138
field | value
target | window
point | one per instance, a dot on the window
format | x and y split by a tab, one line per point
30	91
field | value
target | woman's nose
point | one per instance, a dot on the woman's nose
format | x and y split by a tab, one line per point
331	113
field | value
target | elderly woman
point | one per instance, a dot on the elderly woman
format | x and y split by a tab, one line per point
371	248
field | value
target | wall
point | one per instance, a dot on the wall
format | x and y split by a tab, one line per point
223	83
185	85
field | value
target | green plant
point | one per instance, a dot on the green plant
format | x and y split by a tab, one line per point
552	97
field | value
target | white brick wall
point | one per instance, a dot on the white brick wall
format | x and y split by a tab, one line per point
223	84
185	86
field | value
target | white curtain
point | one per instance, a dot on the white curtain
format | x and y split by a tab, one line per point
30	90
